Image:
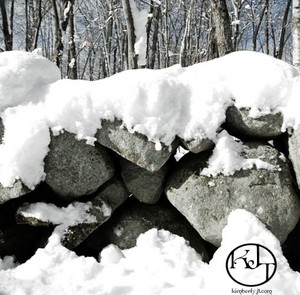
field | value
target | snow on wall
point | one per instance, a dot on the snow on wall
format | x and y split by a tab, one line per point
161	104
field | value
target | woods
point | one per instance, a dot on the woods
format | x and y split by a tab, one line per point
94	39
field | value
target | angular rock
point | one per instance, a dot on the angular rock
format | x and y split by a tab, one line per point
75	168
135	218
294	153
146	186
109	198
99	210
266	126
134	147
17	190
207	201
198	145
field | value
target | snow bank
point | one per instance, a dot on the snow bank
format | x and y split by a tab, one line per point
161	263
161	104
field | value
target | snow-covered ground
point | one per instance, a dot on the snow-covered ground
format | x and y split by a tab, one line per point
160	104
161	263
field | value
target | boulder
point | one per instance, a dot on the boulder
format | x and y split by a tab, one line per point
135	218
240	122
109	198
146	186
207	201
74	168
96	212
134	147
294	153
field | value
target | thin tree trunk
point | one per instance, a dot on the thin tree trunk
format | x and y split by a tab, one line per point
296	33
132	57
283	29
59	47
72	63
8	36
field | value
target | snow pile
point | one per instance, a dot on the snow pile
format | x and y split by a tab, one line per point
24	77
161	104
161	263
227	158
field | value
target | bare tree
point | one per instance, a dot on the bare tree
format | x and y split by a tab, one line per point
7	26
296	33
222	24
132	57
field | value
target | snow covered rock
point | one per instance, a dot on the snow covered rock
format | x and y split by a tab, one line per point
25	77
241	122
78	220
294	153
198	145
17	190
102	207
75	168
134	147
146	186
135	218
262	185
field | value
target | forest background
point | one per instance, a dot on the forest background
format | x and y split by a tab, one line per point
94	39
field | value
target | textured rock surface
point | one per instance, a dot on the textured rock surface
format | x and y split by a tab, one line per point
75	168
198	145
207	201
135	218
146	186
133	146
17	190
110	197
294	153
239	121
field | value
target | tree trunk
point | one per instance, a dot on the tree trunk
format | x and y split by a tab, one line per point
296	33
72	63
221	21
132	57
7	32
59	47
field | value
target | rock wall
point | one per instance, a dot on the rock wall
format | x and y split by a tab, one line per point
128	186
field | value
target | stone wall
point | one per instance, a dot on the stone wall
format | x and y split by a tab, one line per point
130	186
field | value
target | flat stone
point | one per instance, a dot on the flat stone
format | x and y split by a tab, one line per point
198	145
134	147
17	190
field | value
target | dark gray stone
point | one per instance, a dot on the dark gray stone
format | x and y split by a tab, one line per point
74	168
134	147
266	126
207	201
111	196
146	186
135	218
17	190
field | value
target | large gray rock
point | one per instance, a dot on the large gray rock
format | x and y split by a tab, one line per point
207	201
74	168
146	186
17	190
136	218
294	153
266	126
133	146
